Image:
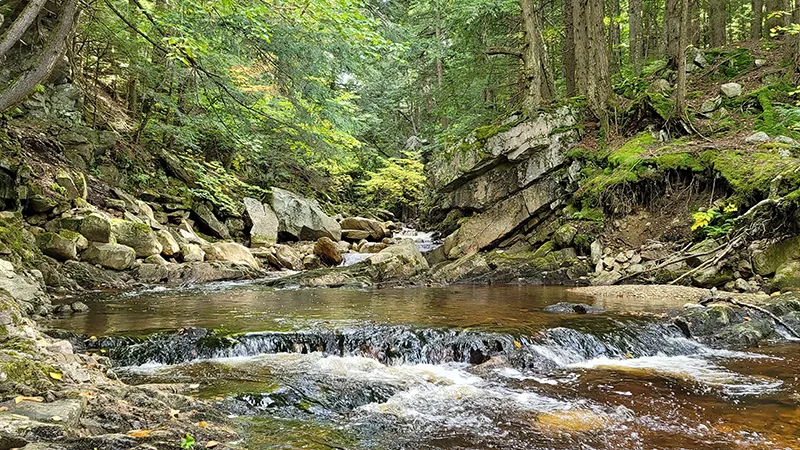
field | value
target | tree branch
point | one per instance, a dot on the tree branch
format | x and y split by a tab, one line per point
503	51
52	54
18	27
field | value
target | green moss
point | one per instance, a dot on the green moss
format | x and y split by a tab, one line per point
751	174
662	105
679	161
631	152
25	371
544	250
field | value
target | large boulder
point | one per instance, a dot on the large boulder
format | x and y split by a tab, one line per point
787	277
466	268
264	230
56	246
328	251
376	229
230	252
483	230
192	253
771	258
209	222
398	262
110	256
96	228
138	236
285	257
302	218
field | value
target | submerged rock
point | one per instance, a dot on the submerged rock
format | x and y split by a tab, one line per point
572	308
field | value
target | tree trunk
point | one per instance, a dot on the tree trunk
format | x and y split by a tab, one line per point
757	20
20	25
614	37
796	42
695	24
593	77
538	80
569	47
636	44
717	13
676	17
439	64
52	54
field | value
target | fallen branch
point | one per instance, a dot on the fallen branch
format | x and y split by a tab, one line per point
731	300
711	262
670	262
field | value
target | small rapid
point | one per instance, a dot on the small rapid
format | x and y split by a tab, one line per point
422	369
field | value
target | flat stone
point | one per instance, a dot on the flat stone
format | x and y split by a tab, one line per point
264	229
354	235
731	90
65	412
758	138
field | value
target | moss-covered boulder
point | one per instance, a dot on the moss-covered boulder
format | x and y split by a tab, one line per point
56	246
96	228
787	277
771	258
564	235
466	268
138	236
81	243
110	256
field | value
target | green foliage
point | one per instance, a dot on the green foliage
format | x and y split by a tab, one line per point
397	186
187	442
714	222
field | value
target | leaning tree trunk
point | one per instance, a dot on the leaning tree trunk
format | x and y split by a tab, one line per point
717	13
636	41
593	77
757	19
538	80
52	54
569	47
20	25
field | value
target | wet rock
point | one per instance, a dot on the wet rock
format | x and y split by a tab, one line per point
572	308
564	235
302	218
151	273
264	229
138	236
731	90
56	246
745	334
192	253
110	256
230	252
328	252
207	272
375	229
757	138
209	222
78	307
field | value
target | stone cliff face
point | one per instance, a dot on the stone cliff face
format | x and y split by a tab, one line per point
504	183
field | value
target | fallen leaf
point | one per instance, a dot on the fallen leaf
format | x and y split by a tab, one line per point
23	398
56	376
212	444
517	344
202	424
139	433
628	355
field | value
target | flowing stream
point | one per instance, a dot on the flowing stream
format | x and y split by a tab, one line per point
446	368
